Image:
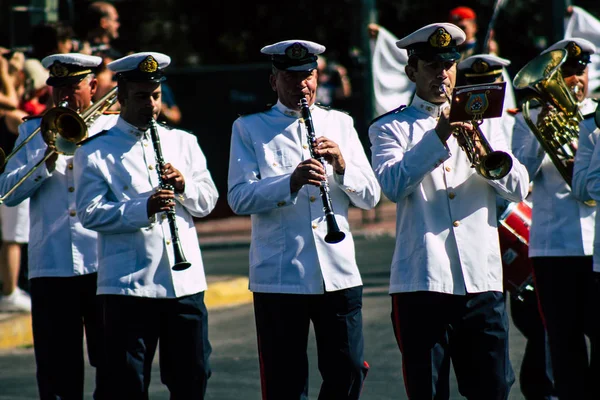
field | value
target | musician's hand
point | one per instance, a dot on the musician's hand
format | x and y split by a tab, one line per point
307	172
569	166
443	128
328	149
466	131
172	176
161	200
51	161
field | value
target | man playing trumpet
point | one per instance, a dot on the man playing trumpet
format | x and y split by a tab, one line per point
62	253
446	275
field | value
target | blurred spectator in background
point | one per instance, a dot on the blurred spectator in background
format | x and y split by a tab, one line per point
36	96
170	114
466	19
334	83
11	65
28	78
105	77
102	28
51	38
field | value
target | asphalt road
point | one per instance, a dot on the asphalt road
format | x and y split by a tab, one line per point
232	334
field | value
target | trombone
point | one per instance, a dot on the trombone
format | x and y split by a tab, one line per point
62	130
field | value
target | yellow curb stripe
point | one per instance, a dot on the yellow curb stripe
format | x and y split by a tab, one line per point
16	331
232	292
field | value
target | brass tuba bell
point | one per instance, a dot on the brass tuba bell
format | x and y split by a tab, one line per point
558	131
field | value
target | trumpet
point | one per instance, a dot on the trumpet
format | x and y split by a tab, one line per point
334	234
180	262
492	164
63	130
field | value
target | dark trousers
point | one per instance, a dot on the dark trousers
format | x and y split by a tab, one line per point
133	328
282	325
568	294
536	378
433	328
61	309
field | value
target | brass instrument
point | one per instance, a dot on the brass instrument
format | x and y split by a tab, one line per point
492	165
334	234
62	129
180	262
558	131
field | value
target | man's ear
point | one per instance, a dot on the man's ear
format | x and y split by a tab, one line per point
410	72
273	81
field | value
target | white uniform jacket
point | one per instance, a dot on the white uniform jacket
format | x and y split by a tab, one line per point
446	229
115	175
288	253
586	177
59	246
561	225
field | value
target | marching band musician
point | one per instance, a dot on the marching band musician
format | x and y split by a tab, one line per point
561	237
62	253
296	276
121	195
535	375
446	273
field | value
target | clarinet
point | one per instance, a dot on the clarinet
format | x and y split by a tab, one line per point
334	235
180	262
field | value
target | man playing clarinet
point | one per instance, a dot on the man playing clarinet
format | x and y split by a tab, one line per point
143	213
297	274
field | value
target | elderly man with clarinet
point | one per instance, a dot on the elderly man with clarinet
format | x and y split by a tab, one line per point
142	208
302	263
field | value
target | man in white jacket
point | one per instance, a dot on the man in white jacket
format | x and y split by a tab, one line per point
296	276
446	273
127	195
62	253
562	232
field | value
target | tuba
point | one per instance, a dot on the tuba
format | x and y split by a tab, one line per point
558	131
62	130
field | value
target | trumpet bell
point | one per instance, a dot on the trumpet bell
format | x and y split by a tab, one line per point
62	128
495	165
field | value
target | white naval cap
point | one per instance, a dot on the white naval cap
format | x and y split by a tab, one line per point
69	68
578	50
434	42
482	68
141	67
294	55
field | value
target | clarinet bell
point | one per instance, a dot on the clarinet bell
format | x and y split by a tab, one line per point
181	263
334	235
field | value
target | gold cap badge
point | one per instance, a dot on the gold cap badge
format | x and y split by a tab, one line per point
296	51
573	49
480	66
440	38
59	70
148	65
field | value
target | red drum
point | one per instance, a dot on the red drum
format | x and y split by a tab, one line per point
513	230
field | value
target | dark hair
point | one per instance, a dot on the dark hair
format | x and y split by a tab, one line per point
95	12
45	37
413	61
